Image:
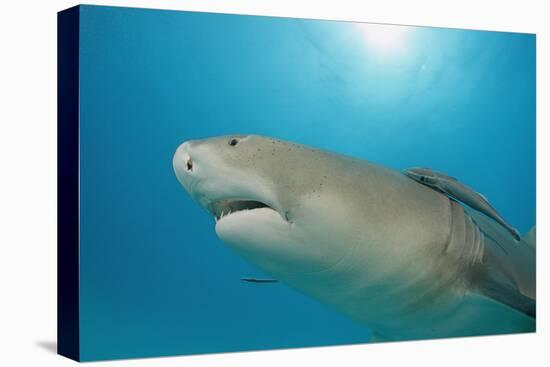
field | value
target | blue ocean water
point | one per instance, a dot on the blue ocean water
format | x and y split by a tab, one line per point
155	280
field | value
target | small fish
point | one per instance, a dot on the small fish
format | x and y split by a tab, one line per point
259	280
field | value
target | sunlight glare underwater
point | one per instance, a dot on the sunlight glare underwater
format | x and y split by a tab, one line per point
384	38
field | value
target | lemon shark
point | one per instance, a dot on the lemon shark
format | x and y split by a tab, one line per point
390	252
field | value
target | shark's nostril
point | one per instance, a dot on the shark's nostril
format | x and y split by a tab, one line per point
189	165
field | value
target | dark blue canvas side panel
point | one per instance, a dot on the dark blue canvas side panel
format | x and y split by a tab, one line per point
68	341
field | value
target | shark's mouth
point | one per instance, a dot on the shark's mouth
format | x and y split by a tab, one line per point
223	208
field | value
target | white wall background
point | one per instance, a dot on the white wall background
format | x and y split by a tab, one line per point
28	182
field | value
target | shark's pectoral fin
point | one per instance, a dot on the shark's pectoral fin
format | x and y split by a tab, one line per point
482	314
507	271
509	266
508	295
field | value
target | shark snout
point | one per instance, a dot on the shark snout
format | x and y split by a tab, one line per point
184	164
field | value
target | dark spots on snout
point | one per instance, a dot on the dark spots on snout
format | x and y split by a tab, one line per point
233	142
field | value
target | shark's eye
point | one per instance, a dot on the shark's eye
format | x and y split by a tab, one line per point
190	165
233	142
422	178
